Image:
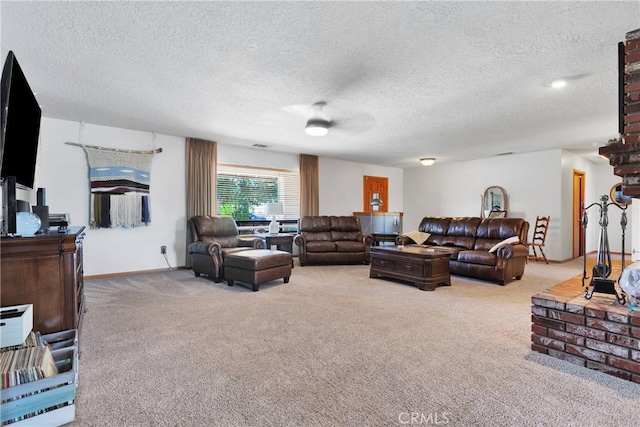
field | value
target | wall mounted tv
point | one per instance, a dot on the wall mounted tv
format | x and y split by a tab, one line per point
20	125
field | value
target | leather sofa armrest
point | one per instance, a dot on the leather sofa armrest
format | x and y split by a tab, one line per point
213	249
204	248
300	241
251	242
367	239
512	251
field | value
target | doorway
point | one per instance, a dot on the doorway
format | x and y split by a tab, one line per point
578	206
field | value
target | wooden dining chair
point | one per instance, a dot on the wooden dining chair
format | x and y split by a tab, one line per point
539	236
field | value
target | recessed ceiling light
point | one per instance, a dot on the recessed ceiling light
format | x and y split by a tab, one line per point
558	83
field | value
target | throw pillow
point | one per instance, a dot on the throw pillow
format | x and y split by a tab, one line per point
417	236
509	241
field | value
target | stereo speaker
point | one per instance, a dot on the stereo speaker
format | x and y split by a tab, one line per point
41	197
10	206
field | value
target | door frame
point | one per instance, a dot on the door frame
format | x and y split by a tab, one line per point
579	184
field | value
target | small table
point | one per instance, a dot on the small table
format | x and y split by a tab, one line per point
384	237
283	241
426	268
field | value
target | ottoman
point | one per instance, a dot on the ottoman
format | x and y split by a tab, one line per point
257	266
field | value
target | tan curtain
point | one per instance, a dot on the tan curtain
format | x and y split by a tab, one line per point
309	194
201	165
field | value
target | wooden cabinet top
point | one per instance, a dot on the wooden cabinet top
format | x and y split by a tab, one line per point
48	243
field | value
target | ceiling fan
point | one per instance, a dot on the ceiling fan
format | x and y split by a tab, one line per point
317	126
322	118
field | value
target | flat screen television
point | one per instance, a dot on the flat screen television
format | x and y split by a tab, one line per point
20	125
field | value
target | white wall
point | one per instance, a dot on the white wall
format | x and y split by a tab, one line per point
341	186
537	184
606	180
62	169
531	181
256	157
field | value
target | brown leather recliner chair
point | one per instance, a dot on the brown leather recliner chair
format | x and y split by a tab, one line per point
213	238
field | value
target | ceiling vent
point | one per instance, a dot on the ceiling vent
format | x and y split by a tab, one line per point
260	145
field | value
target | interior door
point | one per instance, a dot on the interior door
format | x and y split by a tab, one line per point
375	184
578	206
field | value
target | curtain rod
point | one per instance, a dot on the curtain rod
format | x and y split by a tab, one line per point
119	150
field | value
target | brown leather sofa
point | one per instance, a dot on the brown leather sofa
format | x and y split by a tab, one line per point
469	239
213	238
332	240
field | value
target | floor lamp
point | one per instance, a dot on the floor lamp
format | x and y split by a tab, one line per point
374	202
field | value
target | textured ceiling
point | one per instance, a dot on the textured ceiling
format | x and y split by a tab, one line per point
402	80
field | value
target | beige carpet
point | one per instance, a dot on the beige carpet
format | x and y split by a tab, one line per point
331	348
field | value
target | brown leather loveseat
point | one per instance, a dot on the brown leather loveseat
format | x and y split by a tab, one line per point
332	240
469	240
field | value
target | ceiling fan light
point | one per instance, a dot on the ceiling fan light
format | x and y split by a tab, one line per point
428	161
317	127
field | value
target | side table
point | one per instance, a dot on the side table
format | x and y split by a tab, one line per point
384	237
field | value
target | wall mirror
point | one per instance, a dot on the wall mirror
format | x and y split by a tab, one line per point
494	202
616	196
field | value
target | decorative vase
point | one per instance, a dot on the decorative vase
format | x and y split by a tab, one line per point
630	284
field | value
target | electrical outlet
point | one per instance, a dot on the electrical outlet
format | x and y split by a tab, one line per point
163	249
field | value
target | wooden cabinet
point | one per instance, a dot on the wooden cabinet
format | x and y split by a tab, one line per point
46	271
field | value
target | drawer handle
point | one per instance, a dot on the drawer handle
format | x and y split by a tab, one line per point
408	267
383	263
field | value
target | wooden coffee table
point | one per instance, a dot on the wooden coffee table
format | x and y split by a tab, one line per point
427	268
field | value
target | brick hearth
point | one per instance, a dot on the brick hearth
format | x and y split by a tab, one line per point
599	333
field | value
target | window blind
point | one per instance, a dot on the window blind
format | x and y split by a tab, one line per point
243	191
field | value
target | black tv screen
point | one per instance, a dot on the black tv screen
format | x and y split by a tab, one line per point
20	125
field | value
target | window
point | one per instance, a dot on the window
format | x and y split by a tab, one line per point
243	191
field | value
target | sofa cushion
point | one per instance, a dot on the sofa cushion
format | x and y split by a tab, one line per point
462	232
315	224
435	226
492	231
318	237
477	257
321	246
349	246
354	236
225	242
345	223
452	250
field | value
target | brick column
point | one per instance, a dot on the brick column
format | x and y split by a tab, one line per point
624	155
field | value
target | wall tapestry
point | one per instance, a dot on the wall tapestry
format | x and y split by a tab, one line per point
119	182
119	187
